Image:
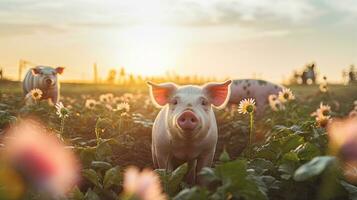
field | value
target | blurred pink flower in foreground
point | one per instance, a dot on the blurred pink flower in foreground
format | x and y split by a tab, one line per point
143	185
41	159
343	142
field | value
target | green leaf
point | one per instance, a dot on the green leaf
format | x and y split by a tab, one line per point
176	178
91	195
224	157
76	194
261	166
351	189
92	176
307	151
87	155
313	168
112	177
289	163
101	165
290	142
194	193
103	151
232	171
208	174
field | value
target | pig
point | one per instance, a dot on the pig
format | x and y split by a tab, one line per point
256	89
45	79
185	130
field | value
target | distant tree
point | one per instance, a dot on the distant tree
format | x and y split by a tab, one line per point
111	76
1	73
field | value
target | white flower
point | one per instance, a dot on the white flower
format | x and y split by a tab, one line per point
110	97
62	111
323	110
143	185
286	95
322	121
246	106
104	98
323	87
91	103
275	103
36	94
123	106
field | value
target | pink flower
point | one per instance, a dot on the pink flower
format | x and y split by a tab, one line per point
143	185
343	142
41	158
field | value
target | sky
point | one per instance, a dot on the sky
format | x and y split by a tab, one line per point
223	38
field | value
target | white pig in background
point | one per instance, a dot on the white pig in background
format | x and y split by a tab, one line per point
185	129
256	89
45	79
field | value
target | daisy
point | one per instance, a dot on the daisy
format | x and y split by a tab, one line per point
323	87
103	98
90	103
110	97
286	95
62	111
322	121
275	103
123	106
246	106
143	185
323	110
36	94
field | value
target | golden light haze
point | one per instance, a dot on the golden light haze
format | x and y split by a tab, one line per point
236	38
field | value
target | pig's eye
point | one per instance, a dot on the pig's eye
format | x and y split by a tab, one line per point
204	102
174	102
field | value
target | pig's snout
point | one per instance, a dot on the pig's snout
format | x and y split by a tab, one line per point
48	81
188	121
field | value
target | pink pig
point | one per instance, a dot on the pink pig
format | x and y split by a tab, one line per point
185	129
253	88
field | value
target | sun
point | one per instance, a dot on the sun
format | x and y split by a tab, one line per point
150	49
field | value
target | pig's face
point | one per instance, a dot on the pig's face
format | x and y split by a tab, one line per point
47	75
189	108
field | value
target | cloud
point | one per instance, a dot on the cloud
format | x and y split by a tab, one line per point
263	14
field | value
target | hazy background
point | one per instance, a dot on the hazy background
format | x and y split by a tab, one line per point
235	38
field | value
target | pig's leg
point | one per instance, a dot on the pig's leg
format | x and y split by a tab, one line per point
191	174
54	98
154	158
204	160
165	161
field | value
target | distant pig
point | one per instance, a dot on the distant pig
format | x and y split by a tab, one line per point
45	79
256	89
185	129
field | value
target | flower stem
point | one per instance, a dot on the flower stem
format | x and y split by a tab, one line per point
62	126
251	134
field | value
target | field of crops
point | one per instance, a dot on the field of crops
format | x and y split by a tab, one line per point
109	129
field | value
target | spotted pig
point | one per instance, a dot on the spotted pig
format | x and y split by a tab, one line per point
253	88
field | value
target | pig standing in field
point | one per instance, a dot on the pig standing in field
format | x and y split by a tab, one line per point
185	130
256	89
45	79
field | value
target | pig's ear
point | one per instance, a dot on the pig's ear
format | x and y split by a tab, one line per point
36	71
218	93
59	70
161	93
